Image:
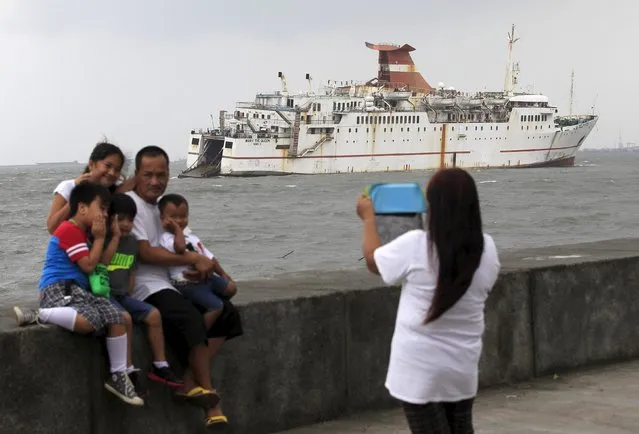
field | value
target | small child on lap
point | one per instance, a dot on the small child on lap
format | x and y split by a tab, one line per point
208	294
120	256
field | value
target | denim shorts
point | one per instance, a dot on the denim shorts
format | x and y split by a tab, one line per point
138	310
206	294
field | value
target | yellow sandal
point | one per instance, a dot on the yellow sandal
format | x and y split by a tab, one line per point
200	397
215	422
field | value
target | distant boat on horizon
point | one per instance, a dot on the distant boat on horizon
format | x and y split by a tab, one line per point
59	163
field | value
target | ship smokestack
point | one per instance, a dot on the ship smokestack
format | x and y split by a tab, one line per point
397	69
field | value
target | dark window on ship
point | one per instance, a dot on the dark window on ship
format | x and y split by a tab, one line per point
228	145
355	129
453	129
338	130
434	128
414	119
417	119
466	128
507	128
195	141
319	107
366	129
401	130
384	129
475	128
408	129
418	129
349	130
497	128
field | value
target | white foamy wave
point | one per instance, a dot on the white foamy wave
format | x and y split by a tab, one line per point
217	185
488	182
291	186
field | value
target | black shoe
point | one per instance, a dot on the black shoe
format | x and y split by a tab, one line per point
166	376
120	385
138	383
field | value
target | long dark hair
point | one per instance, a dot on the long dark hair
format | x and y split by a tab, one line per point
101	151
455	232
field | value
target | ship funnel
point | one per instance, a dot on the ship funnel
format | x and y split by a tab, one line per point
397	69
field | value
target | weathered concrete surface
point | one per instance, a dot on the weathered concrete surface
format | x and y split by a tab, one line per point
507	355
597	401
316	346
585	314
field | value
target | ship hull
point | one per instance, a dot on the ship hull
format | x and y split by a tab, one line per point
364	153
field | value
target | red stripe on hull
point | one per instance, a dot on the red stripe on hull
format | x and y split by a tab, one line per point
403	154
507	151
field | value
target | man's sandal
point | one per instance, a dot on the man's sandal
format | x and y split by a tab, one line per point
199	397
216	422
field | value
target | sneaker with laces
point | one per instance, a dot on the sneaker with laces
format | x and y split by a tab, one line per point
121	386
166	376
138	383
27	316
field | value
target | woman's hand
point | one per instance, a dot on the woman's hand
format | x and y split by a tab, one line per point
82	178
365	207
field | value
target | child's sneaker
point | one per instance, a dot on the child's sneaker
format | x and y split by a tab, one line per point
138	383
166	376
120	385
26	317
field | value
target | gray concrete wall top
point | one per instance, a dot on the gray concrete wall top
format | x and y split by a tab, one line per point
319	282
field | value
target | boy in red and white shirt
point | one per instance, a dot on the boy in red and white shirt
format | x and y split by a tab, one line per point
65	293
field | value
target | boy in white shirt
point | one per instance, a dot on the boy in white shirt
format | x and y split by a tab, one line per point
178	238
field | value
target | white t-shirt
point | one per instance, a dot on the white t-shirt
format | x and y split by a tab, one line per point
167	239
149	279
64	188
437	362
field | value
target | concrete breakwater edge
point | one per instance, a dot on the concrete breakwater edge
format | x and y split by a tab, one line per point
316	346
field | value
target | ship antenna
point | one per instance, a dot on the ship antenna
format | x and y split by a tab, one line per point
510	79
572	89
283	79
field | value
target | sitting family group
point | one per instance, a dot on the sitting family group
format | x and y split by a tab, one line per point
121	252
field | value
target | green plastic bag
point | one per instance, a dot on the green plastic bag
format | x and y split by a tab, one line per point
99	281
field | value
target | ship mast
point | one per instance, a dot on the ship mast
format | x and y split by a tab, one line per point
572	89
511	70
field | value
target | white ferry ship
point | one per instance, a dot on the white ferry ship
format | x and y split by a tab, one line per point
394	122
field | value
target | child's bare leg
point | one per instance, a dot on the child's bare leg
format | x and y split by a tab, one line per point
161	370
82	325
211	317
155	334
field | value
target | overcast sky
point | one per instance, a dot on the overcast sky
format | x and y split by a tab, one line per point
145	72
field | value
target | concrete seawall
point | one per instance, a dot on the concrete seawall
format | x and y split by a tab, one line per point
316	346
